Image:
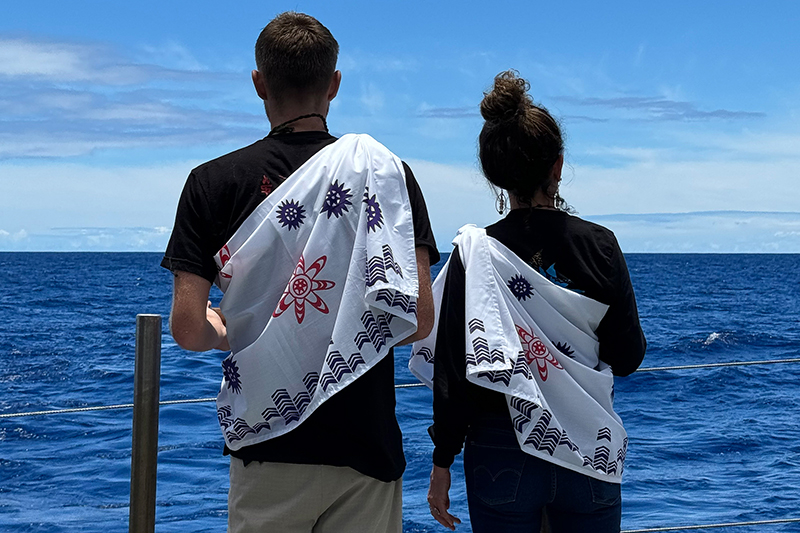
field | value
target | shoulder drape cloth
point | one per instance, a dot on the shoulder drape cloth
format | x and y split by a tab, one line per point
534	341
320	281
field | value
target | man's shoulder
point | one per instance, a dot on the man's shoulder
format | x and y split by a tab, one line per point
242	156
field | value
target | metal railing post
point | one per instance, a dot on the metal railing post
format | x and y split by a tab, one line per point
144	448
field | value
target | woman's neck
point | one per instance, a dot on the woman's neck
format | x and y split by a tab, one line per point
537	201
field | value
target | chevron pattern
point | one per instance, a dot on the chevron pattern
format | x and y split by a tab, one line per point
525	410
521	367
426	354
397	299
565	441
236	429
475	325
600	462
504	376
339	367
378	266
375	271
377	330
481	347
310	381
604	433
389	262
482	354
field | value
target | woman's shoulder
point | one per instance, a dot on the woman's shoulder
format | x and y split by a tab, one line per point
588	228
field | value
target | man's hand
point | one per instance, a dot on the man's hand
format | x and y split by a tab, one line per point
217	320
439	497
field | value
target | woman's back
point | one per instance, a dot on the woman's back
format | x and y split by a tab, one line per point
583	257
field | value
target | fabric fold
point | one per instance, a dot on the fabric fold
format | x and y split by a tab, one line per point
319	283
534	342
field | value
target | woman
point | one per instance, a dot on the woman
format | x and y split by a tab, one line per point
534	315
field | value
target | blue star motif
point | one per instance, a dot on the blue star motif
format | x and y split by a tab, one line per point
565	348
520	287
231	373
374	213
337	200
291	214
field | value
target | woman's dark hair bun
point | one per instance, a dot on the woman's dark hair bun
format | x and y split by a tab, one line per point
508	98
520	142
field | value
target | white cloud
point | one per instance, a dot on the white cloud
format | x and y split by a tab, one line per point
116	239
709	232
16	237
45	196
372	98
455	195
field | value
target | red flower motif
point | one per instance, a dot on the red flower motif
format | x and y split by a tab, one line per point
302	288
535	350
224	257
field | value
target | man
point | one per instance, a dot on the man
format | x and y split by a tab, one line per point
340	469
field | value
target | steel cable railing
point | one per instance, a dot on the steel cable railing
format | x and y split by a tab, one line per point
410	385
398	386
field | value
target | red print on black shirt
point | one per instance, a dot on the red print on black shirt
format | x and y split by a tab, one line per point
266	186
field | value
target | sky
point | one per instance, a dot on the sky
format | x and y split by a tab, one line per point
681	119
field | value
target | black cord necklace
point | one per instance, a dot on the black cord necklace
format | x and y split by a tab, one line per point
286	128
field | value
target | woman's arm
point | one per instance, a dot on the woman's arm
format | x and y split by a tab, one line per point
622	342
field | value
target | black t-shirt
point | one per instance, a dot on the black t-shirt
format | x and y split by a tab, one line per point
571	252
357	427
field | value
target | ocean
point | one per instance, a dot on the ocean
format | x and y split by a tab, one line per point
706	446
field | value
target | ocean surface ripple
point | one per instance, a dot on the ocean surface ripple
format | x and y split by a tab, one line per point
706	445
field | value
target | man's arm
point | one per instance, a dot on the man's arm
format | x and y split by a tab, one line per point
425	315
194	325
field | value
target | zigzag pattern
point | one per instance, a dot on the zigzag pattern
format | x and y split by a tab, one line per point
476	324
397	299
236	429
426	354
389	262
339	367
377	330
604	433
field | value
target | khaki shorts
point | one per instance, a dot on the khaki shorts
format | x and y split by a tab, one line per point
296	498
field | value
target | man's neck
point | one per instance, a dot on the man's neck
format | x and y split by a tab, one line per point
313	118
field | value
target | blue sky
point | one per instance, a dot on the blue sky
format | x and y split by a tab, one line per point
667	107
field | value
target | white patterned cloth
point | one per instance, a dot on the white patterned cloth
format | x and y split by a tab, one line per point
534	341
320	281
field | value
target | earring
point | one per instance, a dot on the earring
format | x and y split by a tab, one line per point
500	202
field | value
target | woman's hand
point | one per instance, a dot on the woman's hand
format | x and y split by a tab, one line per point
439	497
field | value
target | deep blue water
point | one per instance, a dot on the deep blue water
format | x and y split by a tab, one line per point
706	446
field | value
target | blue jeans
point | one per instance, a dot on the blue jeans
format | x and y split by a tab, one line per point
507	489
